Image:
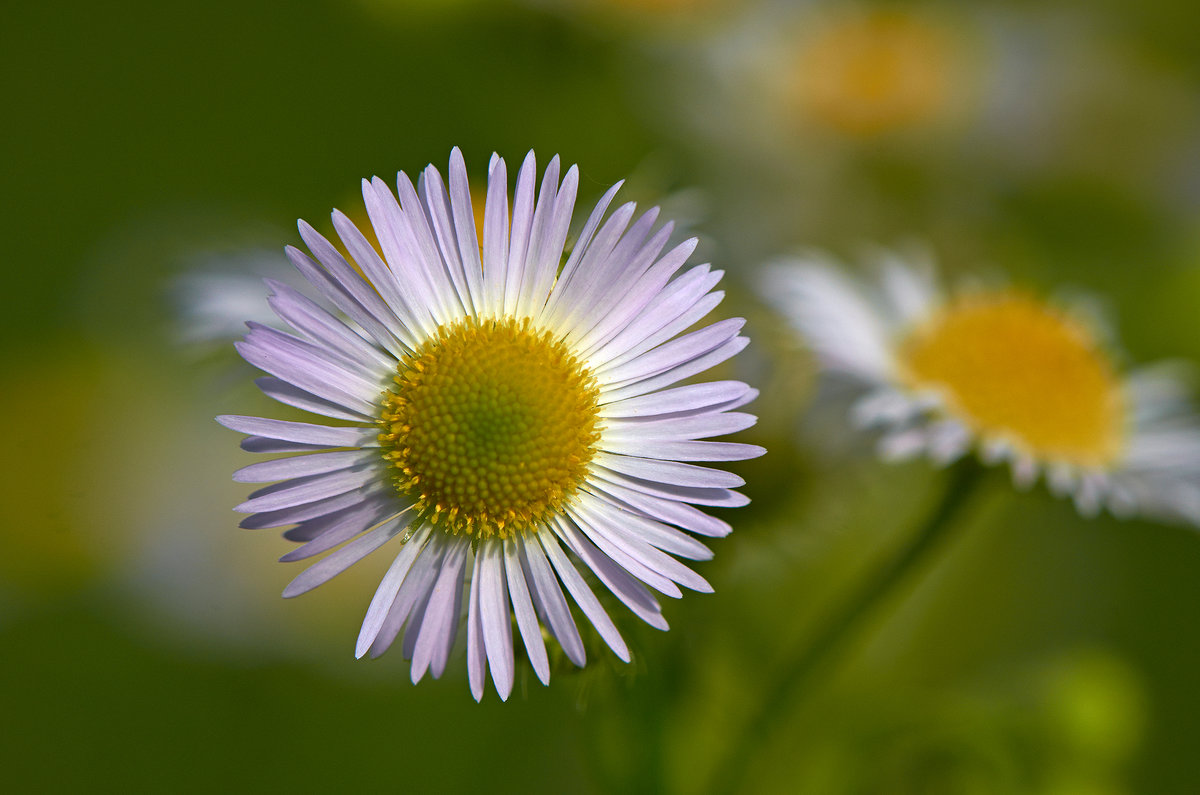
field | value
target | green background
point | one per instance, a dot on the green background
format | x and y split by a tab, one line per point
143	645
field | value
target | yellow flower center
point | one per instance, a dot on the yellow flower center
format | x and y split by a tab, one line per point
490	427
877	72
1012	367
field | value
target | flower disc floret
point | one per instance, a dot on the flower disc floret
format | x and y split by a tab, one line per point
490	427
1013	366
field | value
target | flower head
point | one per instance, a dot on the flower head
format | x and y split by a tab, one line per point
509	416
1005	373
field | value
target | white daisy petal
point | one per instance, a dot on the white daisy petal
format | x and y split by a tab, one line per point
582	302
382	277
626	555
259	444
409	275
658	535
676	428
425	249
631	537
322	328
580	248
520	233
672	354
320	378
1003	374
565	308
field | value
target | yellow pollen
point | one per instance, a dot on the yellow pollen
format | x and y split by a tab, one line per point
490	427
1013	367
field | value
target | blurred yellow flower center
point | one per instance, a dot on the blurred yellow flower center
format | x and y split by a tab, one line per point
490	427
877	72
1013	367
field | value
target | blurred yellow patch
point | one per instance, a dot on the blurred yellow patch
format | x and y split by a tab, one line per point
50	408
877	72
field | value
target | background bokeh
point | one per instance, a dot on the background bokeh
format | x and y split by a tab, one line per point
156	158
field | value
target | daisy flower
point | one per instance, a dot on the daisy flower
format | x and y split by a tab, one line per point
509	416
1004	373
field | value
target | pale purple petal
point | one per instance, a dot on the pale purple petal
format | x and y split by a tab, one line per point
302	432
385	595
700	496
464	227
655	533
665	510
331	530
675	374
527	622
684	450
495	255
497	621
669	472
620	582
439	625
672	427
556	613
630	309
600	523
311	510
580	592
626	557
674	353
548	253
519	234
409	601
292	395
322	328
309	489
476	656
337	562
303	466
364	297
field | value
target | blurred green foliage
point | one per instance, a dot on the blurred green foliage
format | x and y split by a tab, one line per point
144	646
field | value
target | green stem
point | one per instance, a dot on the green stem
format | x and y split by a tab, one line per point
842	624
